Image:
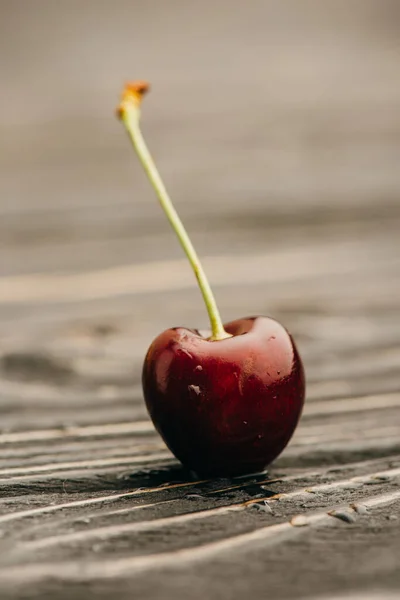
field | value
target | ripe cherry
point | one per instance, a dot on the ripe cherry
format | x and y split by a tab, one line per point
226	403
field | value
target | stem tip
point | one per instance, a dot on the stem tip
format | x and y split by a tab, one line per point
132	94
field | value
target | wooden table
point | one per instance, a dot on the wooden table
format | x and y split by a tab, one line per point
277	131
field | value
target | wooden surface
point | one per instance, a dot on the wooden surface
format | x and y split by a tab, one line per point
276	128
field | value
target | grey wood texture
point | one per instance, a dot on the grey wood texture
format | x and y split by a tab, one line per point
276	127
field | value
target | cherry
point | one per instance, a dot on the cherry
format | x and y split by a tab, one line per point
226	403
227	407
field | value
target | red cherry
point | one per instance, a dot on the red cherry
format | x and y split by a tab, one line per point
225	407
229	403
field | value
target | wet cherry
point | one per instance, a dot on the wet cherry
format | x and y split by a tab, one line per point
227	407
226	403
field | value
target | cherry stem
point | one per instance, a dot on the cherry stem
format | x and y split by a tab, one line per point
129	113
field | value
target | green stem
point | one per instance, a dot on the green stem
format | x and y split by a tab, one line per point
130	115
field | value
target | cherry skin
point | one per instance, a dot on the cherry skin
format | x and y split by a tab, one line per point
226	407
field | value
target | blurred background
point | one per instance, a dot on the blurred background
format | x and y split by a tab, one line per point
275	125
